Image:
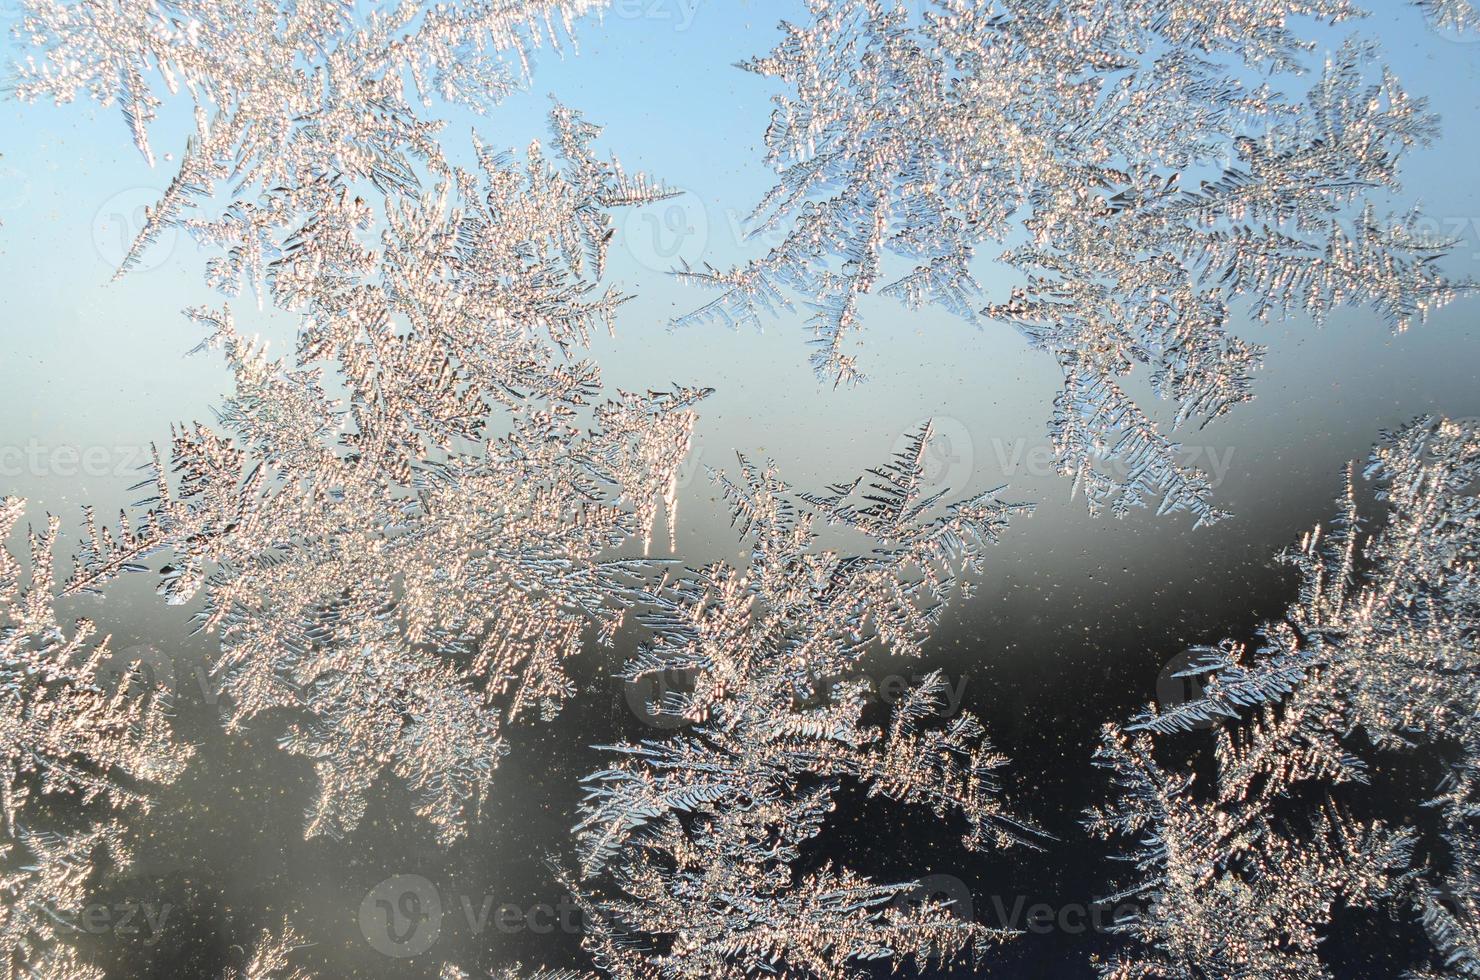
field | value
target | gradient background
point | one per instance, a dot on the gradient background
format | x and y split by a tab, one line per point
1074	622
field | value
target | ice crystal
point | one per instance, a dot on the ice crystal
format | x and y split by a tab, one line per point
516	972
65	733
62	729
412	563
271	958
1384	641
38	895
317	102
402	532
1450	911
699	832
1145	191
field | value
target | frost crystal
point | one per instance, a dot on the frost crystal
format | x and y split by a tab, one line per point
1450	911
317	102
411	564
271	958
1142	188
401	531
64	735
37	895
516	972
699	833
1384	641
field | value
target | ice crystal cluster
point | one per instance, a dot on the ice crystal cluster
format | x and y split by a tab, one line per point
397	530
271	958
410	554
1145	189
75	753
1379	654
327	95
401	532
696	836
